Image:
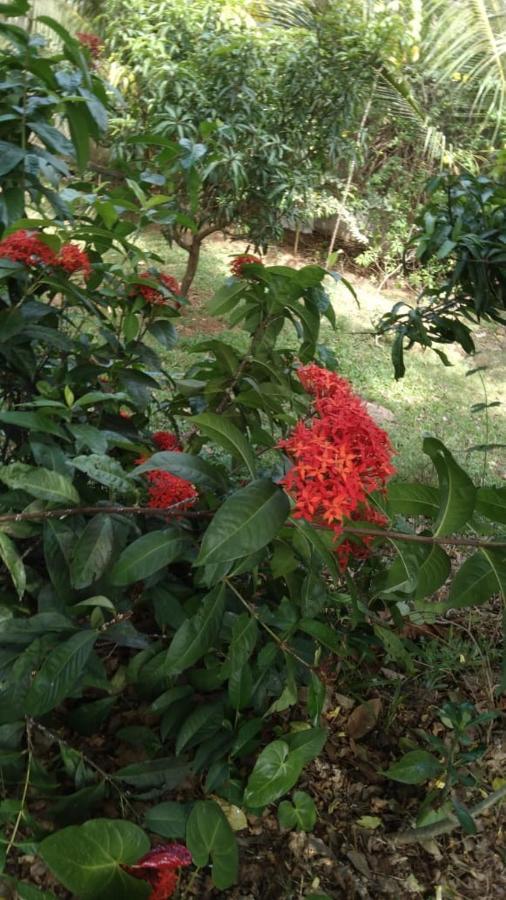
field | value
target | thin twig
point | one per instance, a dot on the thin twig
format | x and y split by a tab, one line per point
26	785
427	832
425	538
174	510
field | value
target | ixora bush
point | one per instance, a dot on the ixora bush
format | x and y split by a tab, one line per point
171	596
185	555
462	232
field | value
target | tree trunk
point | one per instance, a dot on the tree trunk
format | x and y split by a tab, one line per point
191	265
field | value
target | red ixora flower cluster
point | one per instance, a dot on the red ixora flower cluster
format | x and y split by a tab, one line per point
166	489
159	867
154	297
239	261
29	249
166	440
340	456
92	42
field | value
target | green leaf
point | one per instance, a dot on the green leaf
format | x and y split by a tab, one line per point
167	819
39	482
300	814
279	766
432	573
195	636
13	563
491	502
395	647
228	436
457	491
147	555
273	775
79	132
244	638
33	421
203	721
167	773
479	578
464	816
10	156
413	499
398	356
87	859
240	687
225	298
60	673
105	470
184	465
415	767
92	552
208	834
247	521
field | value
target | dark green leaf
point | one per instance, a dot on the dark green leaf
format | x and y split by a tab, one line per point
39	482
195	636
147	555
192	468
13	563
60	673
93	551
208	834
457	491
87	859
247	521
415	767
167	819
228	436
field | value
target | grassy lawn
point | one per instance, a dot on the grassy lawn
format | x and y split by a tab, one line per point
430	399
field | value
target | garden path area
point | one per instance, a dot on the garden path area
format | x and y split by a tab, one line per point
429	399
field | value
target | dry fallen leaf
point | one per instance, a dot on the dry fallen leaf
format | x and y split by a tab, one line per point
364	718
234	814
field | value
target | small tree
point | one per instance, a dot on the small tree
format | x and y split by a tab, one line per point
258	114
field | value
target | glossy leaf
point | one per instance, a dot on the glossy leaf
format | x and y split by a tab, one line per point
210	837
300	813
39	482
457	492
167	819
87	859
92	552
13	563
60	673
247	521
415	767
105	470
147	555
479	578
195	636
192	468
227	436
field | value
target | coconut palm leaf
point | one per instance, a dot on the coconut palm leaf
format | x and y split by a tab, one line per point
465	42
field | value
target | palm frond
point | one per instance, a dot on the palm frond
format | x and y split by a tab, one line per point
465	42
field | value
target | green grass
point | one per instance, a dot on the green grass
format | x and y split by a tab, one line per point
430	399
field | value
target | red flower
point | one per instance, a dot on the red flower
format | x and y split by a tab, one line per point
239	261
92	42
166	440
340	456
166	490
154	297
159	867
72	259
30	249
